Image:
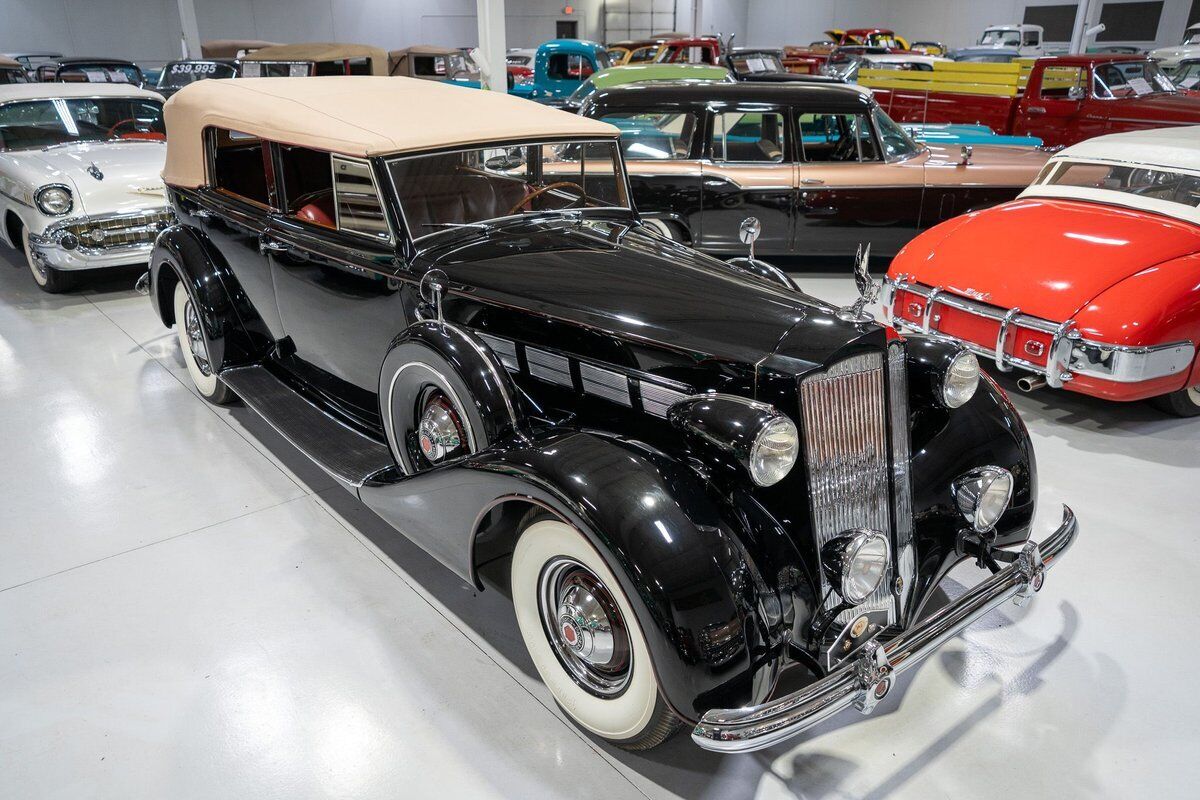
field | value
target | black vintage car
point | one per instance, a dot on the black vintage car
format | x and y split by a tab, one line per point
90	70
692	476
822	166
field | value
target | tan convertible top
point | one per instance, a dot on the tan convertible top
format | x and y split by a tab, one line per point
355	115
230	48
424	50
318	51
7	62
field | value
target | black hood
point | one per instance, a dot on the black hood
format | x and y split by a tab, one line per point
624	283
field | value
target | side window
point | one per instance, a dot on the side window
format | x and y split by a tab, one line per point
647	135
237	165
837	137
331	191
427	66
564	67
1062	83
748	136
1030	39
359	209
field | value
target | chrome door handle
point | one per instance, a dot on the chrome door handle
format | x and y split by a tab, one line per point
1036	110
266	245
812	181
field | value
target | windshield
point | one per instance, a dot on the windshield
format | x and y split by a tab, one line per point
653	136
757	63
469	187
897	144
987	59
1192	38
100	73
1157	184
1187	76
276	69
582	92
1124	79
181	73
1001	38
43	123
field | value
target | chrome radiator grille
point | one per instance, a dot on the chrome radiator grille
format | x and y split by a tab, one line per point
846	449
100	233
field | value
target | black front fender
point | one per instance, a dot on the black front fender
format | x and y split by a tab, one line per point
183	254
675	549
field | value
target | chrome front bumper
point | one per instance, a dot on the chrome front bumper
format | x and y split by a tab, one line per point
124	239
867	678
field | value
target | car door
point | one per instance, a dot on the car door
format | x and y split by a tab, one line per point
852	186
235	214
336	275
1058	108
748	170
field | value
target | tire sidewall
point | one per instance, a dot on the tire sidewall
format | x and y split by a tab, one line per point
624	717
209	385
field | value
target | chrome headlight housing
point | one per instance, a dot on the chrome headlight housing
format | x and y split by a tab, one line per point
856	562
54	200
983	495
960	380
774	451
757	435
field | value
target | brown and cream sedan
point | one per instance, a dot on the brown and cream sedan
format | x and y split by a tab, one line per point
821	166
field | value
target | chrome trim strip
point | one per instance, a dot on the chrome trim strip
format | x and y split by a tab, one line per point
742	730
504	349
605	383
657	399
549	366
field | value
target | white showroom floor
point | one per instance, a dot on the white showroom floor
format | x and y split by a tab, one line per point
190	610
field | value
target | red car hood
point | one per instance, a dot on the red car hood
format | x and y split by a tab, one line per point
1049	257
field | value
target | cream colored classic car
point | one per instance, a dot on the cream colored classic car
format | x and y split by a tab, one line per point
80	183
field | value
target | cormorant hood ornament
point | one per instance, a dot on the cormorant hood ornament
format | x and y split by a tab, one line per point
868	290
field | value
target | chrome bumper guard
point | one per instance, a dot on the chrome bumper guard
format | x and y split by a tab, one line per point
866	678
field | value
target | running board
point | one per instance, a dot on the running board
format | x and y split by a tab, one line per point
340	450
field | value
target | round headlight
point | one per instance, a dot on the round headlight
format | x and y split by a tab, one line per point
961	379
856	563
983	495
774	451
53	200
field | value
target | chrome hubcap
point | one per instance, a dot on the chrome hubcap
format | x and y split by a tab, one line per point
439	433
1194	395
195	337
585	627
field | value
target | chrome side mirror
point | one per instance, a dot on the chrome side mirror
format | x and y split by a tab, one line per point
749	231
965	152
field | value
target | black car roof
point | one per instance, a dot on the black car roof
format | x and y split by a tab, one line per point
830	97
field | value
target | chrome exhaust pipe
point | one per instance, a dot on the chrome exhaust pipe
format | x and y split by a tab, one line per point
1031	383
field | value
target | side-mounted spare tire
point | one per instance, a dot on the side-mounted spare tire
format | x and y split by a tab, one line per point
443	395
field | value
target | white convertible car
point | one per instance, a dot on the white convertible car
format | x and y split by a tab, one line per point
80	182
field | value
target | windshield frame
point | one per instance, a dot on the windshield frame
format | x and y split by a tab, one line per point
394	199
51	99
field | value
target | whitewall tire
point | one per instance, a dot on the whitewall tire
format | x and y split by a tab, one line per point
584	638
47	278
194	348
663	228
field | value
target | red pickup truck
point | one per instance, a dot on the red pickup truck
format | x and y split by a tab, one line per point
1067	99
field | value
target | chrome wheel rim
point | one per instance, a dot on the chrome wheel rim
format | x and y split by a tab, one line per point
585	627
1193	394
195	338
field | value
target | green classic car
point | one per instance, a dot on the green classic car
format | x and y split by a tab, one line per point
638	73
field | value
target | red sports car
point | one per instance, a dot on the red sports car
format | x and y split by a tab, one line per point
1089	281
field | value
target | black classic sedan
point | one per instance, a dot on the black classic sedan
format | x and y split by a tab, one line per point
821	166
691	476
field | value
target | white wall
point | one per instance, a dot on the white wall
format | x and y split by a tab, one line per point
143	30
955	22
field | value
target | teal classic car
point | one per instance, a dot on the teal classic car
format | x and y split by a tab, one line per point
559	67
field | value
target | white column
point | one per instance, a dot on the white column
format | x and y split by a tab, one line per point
490	15
189	28
1079	30
697	16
